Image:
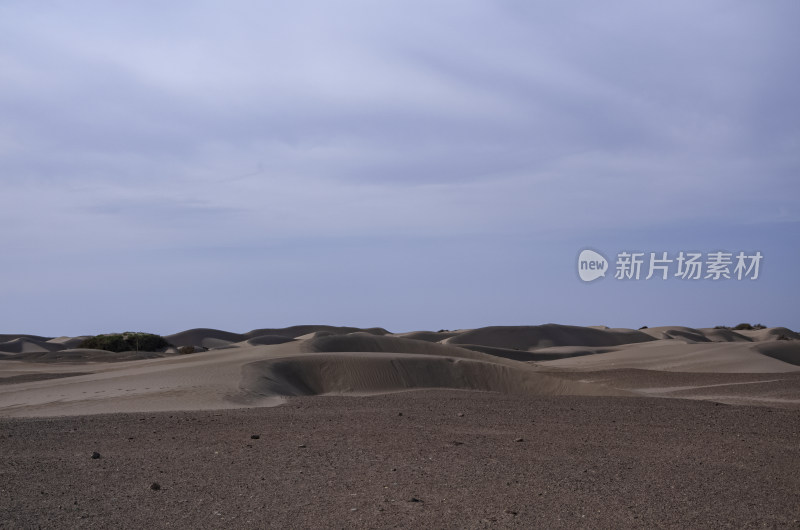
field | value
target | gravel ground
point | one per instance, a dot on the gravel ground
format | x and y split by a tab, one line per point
436	459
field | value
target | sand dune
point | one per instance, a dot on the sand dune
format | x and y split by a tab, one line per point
267	340
297	331
374	373
720	334
8	337
785	351
207	380
769	334
68	342
363	342
724	335
43	377
675	356
217	338
548	335
540	354
430	336
83	355
26	345
200	336
677	332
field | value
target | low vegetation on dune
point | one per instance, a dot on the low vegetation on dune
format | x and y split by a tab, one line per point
128	341
743	326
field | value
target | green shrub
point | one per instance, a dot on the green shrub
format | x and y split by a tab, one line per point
743	326
185	350
128	341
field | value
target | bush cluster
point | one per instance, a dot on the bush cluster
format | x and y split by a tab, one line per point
749	327
743	326
128	341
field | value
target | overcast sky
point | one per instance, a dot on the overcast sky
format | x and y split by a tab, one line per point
411	165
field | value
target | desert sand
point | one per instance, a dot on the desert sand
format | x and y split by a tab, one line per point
323	426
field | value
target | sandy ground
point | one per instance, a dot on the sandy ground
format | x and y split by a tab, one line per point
437	459
529	426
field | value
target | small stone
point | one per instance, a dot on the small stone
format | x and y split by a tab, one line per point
399	413
301	446
457	443
95	455
460	414
254	436
155	486
519	440
414	499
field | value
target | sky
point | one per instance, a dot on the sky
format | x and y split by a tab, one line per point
409	165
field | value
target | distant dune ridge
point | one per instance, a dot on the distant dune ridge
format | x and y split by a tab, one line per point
548	335
51	376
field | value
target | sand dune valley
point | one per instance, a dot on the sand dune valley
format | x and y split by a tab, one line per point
314	426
